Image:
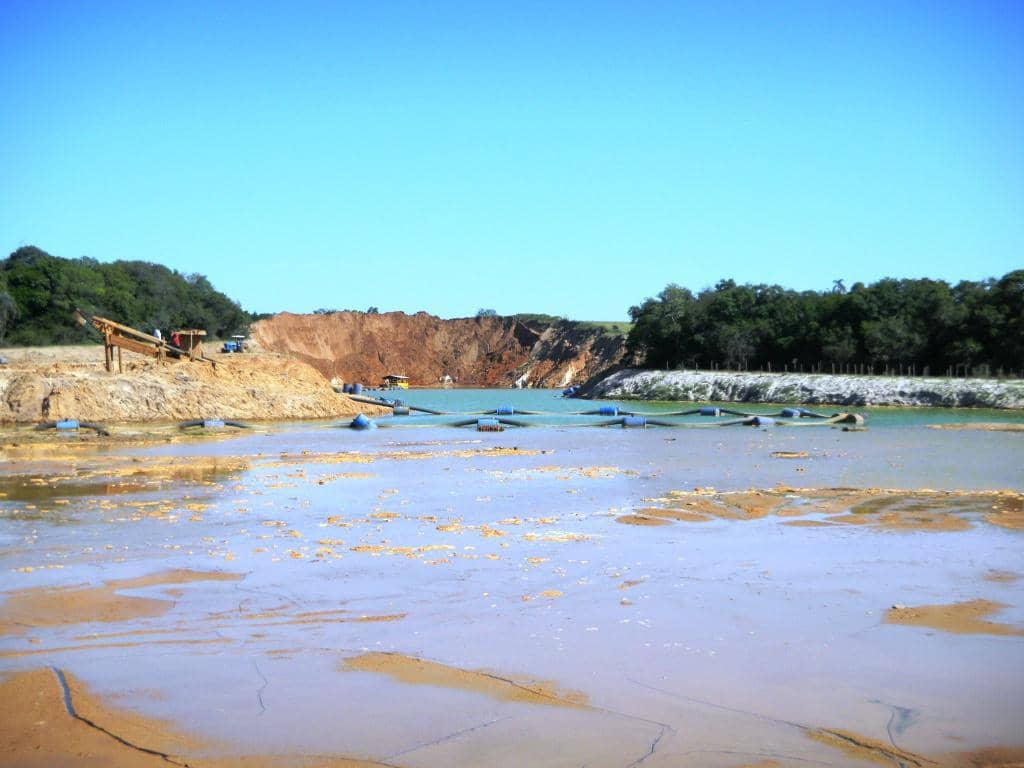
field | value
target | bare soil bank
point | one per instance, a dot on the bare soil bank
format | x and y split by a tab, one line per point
51	383
481	351
723	386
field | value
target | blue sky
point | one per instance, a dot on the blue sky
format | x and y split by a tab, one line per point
569	158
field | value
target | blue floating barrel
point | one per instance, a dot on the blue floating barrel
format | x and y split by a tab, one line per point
608	410
361	422
710	410
67	424
634	421
488	425
761	421
400	410
570	391
346	389
792	413
212	423
504	410
357	389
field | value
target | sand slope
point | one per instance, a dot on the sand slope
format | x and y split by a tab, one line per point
70	382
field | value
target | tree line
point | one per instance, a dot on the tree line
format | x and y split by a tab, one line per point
916	326
39	294
925	327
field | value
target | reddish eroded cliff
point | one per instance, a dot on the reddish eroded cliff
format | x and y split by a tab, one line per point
479	351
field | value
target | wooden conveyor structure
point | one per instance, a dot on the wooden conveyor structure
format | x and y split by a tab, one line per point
118	337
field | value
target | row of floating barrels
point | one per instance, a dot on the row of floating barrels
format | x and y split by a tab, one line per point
352	389
74	425
493	423
401	409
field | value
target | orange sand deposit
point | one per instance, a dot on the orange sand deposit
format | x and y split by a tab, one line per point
959	618
57	606
38	731
864	748
879	752
895	509
413	671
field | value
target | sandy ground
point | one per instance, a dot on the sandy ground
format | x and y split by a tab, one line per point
52	383
312	596
50	718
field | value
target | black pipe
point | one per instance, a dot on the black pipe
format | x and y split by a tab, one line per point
202	423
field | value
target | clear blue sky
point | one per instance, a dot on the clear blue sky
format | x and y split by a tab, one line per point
558	157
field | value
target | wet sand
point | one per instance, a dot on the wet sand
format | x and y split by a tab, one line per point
309	596
897	509
961	618
27	609
412	671
50	718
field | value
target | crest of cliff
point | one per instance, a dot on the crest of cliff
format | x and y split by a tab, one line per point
477	351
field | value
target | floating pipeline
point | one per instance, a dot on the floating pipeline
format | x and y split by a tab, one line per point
497	417
508	410
396	404
489	424
800	413
73	425
212	424
854	422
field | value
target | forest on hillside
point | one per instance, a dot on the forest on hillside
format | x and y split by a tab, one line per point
917	326
39	294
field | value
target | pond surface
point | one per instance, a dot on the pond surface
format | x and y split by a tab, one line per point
438	596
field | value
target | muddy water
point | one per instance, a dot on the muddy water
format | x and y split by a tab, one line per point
438	597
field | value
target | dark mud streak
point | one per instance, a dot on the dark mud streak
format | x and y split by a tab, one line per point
911	761
259	691
663	728
713	705
651	749
449	737
906	760
775	755
70	707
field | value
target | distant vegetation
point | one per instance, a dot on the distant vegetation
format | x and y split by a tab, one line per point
39	294
919	326
611	328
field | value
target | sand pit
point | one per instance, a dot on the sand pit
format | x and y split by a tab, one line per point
413	671
44	607
958	618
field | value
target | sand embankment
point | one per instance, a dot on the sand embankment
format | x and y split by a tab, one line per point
475	351
719	386
54	383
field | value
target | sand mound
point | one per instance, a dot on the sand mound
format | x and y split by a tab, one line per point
48	386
